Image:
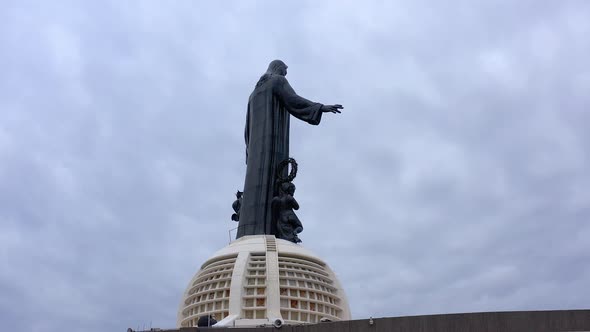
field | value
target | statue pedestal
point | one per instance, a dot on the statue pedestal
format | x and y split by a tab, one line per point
260	280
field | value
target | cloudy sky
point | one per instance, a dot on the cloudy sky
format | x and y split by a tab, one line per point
455	180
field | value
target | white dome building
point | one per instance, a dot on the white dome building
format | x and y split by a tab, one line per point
260	280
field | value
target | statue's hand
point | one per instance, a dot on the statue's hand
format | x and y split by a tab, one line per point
332	108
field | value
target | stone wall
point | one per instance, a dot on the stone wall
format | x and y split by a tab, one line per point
537	321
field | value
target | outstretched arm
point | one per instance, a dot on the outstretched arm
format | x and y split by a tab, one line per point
296	105
332	108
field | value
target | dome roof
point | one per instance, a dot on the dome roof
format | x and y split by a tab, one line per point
258	280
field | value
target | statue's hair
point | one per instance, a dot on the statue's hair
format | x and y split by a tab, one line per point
273	68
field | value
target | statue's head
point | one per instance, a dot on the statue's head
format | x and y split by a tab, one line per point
288	188
239	194
277	67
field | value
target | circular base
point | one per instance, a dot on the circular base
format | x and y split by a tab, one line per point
260	280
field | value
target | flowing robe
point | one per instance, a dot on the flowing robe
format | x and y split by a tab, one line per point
267	144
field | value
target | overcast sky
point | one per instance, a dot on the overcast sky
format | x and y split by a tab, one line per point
455	180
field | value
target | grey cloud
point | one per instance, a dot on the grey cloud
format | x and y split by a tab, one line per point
455	180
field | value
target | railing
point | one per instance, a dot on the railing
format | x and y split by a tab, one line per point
231	230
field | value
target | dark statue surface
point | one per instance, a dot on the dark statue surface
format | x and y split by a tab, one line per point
288	224
270	106
236	206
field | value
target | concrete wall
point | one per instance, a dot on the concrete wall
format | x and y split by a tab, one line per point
538	321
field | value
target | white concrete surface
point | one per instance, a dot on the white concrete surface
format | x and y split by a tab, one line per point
258	279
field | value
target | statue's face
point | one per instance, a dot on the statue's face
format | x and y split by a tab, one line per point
277	67
283	70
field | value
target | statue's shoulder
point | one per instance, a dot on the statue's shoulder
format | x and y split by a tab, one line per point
270	81
274	83
277	79
278	82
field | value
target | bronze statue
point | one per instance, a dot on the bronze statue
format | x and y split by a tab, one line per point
288	225
267	144
236	206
